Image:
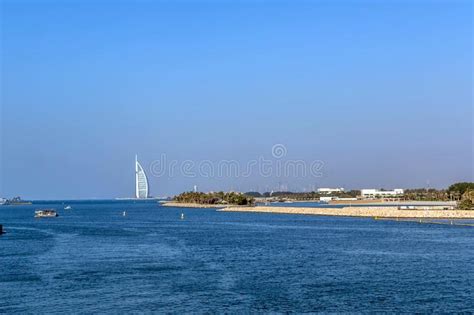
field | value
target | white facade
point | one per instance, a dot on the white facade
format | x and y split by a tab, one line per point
330	190
381	193
141	182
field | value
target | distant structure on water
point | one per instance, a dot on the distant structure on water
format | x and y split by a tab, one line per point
141	181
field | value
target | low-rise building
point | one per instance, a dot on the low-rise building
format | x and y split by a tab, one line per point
375	193
328	191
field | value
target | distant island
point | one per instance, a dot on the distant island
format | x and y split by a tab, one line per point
459	196
210	200
215	198
456	202
462	193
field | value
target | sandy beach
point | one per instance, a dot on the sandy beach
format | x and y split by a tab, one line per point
392	203
379	212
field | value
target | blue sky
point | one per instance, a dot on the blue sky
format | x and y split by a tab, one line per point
380	91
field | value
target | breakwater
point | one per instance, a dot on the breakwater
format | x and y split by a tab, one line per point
376	212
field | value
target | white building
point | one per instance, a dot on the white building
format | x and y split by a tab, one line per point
328	191
372	193
141	182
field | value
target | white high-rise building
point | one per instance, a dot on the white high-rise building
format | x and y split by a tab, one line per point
141	182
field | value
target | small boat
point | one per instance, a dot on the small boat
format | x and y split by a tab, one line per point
46	213
67	208
182	216
124	213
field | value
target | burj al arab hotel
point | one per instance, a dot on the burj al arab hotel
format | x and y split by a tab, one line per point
141	181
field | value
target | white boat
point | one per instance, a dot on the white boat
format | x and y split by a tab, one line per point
67	208
182	216
46	213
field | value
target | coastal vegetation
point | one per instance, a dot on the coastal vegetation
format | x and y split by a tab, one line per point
467	200
466	204
214	198
459	189
464	192
425	194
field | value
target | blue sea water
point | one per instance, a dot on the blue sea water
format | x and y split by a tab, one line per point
91	259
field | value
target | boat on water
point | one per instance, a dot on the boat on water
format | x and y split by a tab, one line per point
46	213
182	216
67	208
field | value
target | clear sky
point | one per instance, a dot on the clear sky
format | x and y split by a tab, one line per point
379	91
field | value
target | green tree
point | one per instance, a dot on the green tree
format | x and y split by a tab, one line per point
466	204
456	190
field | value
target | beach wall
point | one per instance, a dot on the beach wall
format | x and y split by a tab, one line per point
359	201
380	212
393	203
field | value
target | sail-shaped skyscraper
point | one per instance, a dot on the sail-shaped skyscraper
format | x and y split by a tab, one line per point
141	181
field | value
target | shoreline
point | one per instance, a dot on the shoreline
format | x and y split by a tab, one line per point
395	203
367	212
369	202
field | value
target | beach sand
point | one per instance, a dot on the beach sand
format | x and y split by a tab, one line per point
377	212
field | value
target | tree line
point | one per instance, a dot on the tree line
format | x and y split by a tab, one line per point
214	198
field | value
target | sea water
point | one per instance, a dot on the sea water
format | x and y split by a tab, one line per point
92	259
